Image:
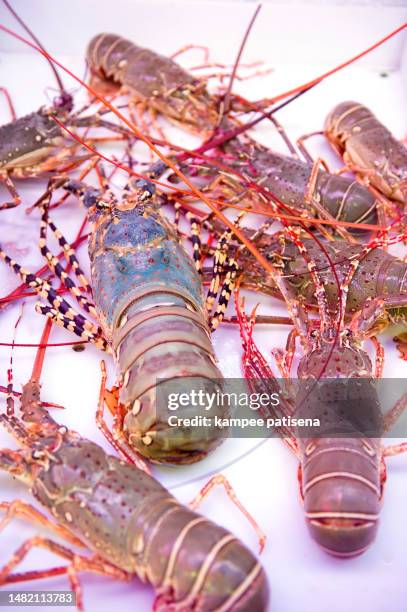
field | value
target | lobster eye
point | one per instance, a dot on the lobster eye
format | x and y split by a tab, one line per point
64	102
314	333
146	188
91	197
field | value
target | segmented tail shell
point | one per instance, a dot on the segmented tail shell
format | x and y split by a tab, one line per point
195	564
165	338
341	490
340	470
370	146
288	178
132	521
150	301
151	78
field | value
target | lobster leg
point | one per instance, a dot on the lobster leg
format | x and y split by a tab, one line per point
395	449
147	118
218	261
219	264
313	203
401	344
196	243
96	121
370	318
56	267
384	205
284	136
70	256
177	214
304	150
350	166
44	289
219	479
379	361
13	461
73	326
15	427
66	159
308	157
21	509
394	413
137	112
77	563
284	359
227	189
93	164
60	310
195	237
224	295
8	183
186	48
116	437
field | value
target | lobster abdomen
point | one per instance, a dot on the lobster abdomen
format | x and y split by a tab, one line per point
152	78
355	130
288	178
341	490
150	299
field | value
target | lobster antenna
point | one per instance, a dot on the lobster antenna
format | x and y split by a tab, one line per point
226	99
35	39
216	141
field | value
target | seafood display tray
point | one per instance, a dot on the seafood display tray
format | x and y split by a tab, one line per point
298	41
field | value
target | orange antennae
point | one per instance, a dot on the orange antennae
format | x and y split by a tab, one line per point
262	212
248	244
337	68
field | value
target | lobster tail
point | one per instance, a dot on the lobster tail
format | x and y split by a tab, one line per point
370	146
116	62
341	489
195	564
164	337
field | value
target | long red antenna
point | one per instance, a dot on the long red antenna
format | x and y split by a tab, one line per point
344	64
251	247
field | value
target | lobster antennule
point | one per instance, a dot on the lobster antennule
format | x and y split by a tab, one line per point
226	98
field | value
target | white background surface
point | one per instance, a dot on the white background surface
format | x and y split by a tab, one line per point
298	44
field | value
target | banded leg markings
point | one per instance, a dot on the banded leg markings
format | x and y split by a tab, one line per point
56	267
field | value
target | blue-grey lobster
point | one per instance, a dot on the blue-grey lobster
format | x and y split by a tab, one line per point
150	304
